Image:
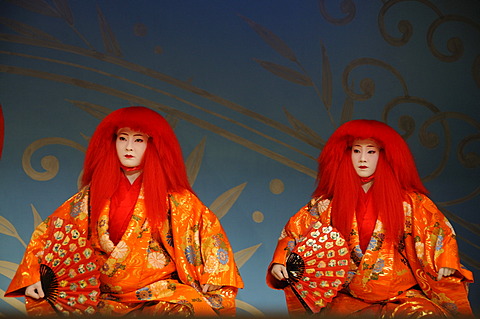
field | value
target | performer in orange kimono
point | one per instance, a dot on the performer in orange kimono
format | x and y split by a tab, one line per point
403	254
158	248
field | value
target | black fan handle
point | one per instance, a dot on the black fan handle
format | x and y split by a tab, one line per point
304	304
49	284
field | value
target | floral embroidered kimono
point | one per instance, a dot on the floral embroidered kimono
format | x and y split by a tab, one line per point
140	273
385	281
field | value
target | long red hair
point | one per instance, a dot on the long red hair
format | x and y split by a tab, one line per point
396	174
163	170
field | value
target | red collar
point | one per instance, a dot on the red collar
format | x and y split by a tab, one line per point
367	179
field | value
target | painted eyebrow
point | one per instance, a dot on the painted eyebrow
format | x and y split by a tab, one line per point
368	145
124	133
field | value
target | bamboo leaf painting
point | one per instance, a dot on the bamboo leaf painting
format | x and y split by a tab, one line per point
8	229
194	161
8	269
37	219
271	39
64	10
96	111
27	30
13	302
327	83
285	73
109	40
304	129
37	6
242	256
224	202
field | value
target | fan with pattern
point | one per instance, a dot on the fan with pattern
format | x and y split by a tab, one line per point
68	272
317	266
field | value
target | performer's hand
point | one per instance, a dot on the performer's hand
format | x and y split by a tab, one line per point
35	290
207	287
279	271
445	272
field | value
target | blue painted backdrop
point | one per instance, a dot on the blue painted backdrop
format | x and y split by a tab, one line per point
253	89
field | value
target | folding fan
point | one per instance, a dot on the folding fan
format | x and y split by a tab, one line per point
68	272
317	266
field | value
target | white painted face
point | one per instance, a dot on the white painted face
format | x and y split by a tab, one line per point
131	146
365	155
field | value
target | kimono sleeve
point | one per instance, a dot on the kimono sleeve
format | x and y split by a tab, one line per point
296	226
28	271
219	264
203	253
433	246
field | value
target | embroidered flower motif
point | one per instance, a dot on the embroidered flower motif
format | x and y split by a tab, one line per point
379	265
439	244
215	301
102	223
323	205
222	256
121	250
217	240
372	244
106	243
212	264
190	254
291	245
313	211
170	238
451	306
420	249
357	252
162	289
144	294
157	260
77	209
407	208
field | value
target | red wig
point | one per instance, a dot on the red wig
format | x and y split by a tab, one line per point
163	170
396	174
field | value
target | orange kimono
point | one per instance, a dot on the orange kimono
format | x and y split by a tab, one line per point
143	274
385	281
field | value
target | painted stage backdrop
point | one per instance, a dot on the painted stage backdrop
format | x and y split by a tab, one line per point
253	89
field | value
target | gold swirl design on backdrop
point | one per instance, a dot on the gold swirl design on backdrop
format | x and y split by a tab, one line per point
429	140
49	163
406	122
404	26
346	6
454	44
476	70
463	199
367	85
469	160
